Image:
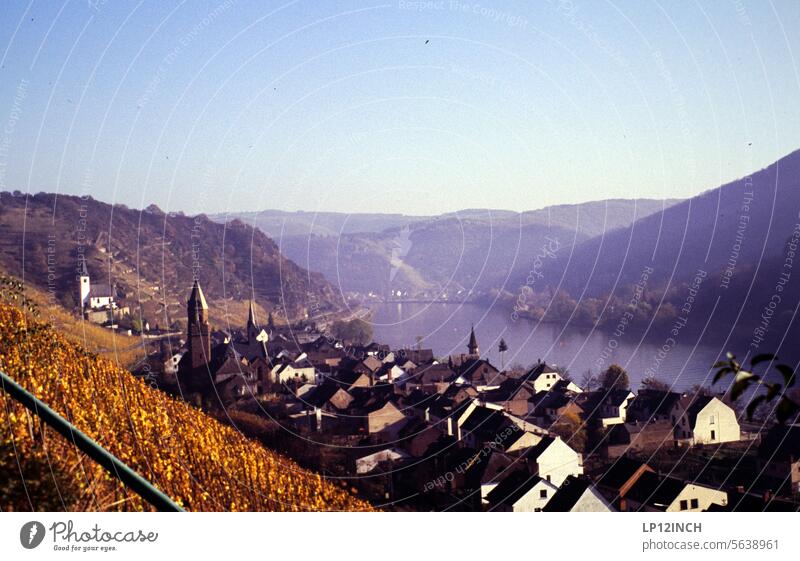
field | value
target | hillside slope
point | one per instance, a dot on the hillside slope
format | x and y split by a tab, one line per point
148	255
722	231
200	463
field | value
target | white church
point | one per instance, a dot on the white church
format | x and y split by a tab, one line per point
97	302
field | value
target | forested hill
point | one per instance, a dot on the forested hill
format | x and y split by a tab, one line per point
149	255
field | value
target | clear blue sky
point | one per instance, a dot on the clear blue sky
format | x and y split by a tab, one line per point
416	107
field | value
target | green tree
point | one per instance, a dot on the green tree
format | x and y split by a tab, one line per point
355	332
502	347
653	383
615	378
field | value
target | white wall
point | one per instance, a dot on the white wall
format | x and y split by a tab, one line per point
717	417
532	501
559	461
704	496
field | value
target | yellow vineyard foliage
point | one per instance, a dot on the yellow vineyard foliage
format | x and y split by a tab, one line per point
202	464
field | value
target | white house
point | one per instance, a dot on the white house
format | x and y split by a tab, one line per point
555	460
285	372
369	462
652	493
703	419
521	492
543	378
614	406
577	495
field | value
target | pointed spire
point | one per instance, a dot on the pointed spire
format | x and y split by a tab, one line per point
83	271
473	342
197	299
251	316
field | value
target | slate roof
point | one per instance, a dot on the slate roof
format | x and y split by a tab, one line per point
536	451
694	404
571	490
620	472
650	403
433	373
655	491
513	488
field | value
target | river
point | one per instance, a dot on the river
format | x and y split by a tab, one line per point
444	327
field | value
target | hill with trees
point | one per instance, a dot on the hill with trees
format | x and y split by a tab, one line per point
150	257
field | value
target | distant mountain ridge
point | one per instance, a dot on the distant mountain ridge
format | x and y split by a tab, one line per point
474	249
722	231
150	255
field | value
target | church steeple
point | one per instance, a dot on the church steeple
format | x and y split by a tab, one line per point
251	318
198	329
472	347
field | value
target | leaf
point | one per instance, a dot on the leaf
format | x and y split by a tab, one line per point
743	375
788	374
785	410
772	391
764	357
741	382
721	372
751	407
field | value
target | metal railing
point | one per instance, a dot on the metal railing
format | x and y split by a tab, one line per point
111	463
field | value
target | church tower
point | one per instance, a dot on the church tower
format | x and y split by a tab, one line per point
252	325
472	347
198	332
84	285
256	337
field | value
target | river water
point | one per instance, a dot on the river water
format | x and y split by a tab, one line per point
444	327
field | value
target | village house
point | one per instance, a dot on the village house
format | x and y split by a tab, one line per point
652	493
543	378
431	378
617	479
638	437
704	419
520	491
611	406
553	460
300	371
478	425
512	395
577	494
366	464
548	407
384	421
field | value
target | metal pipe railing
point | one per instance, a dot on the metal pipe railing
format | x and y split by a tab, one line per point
111	463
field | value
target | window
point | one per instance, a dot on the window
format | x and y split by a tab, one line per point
695	503
684	505
548	478
713	435
711	420
543	494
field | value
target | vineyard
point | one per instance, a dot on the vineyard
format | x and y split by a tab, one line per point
202	464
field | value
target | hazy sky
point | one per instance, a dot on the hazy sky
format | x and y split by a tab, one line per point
416	107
